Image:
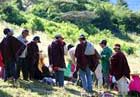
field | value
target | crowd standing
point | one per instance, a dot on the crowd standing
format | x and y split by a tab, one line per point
85	63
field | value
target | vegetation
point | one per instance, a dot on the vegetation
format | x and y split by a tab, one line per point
74	17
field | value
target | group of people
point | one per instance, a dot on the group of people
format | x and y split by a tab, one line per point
15	57
90	63
18	54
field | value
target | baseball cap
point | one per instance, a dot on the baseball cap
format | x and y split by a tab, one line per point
37	38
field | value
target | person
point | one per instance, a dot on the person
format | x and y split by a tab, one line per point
98	69
1	66
22	62
57	59
11	48
134	85
83	62
71	52
105	56
43	69
33	58
120	69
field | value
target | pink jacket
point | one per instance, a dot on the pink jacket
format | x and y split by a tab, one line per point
135	83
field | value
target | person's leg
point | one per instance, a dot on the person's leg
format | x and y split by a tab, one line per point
61	78
31	71
25	69
98	73
19	63
14	70
106	79
6	73
83	79
57	78
89	79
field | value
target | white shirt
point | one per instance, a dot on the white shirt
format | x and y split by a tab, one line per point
24	41
71	53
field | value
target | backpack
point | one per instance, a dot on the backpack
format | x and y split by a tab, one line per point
89	50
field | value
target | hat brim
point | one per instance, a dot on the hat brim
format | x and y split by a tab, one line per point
116	47
39	41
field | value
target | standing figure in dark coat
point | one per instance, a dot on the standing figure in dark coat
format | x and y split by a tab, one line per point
11	48
33	58
57	59
120	69
84	62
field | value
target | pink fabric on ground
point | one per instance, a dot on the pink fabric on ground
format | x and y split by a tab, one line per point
135	83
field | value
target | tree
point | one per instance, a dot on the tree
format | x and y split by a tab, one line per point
122	3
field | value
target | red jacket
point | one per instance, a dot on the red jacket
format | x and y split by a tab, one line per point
10	47
82	61
119	66
57	54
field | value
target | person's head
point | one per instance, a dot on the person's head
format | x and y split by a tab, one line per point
82	38
117	47
103	43
8	32
59	37
25	33
36	39
70	46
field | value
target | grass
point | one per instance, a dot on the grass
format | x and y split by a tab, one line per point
37	89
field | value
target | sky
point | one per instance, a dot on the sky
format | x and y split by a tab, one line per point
132	4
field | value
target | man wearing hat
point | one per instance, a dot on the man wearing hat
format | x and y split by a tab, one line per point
83	62
33	57
105	56
22	64
9	48
57	60
120	69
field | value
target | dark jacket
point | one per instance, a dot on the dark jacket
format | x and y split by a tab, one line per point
11	48
94	61
82	62
32	53
57	54
119	66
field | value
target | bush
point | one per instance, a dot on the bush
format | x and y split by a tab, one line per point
38	25
34	23
128	49
12	15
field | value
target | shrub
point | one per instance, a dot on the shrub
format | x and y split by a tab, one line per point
128	49
38	25
12	15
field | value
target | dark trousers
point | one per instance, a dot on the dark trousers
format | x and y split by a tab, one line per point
59	77
10	70
22	66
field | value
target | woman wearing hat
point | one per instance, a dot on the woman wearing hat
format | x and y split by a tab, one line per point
120	69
